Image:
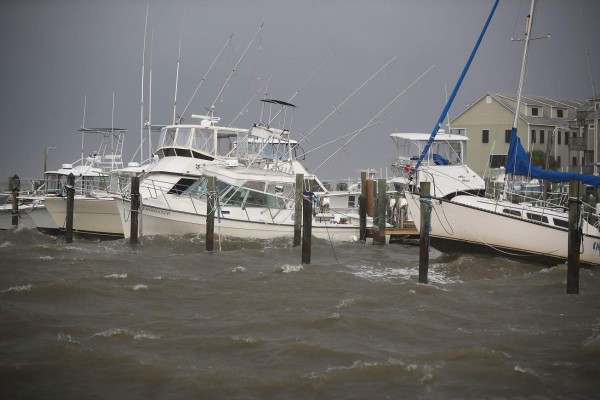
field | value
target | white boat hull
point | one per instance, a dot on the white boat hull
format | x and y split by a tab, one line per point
501	232
90	215
160	221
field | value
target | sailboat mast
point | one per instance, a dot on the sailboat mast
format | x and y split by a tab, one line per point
150	95
528	26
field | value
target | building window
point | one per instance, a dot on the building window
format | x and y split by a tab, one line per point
559	113
558	137
533	136
485	136
542	138
567	139
582	161
507	136
558	161
574	161
534	111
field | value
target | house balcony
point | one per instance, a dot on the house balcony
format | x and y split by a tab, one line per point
578	144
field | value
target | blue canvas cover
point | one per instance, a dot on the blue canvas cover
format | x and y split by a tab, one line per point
518	163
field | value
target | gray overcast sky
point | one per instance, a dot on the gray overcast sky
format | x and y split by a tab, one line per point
55	52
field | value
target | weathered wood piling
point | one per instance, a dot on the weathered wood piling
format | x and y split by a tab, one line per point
15	186
362	207
298	210
135	210
70	208
425	200
574	240
307	217
210	212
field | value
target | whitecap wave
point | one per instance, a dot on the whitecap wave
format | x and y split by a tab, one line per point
23	288
116	276
140	286
286	268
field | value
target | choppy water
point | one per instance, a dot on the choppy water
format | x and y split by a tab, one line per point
167	320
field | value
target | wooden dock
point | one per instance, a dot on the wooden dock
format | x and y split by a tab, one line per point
409	229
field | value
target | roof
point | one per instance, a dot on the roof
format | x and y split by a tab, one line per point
509	101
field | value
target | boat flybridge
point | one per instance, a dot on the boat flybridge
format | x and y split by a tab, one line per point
90	171
444	165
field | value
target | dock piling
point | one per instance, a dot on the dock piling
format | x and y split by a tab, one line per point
15	186
574	241
70	208
425	200
210	212
307	217
298	210
362	207
379	236
135	210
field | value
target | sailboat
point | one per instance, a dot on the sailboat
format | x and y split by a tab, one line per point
525	229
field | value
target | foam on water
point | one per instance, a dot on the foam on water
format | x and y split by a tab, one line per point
23	288
119	332
286	268
116	276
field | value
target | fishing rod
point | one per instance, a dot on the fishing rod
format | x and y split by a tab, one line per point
384	109
339	138
212	107
337	108
303	85
263	87
228	41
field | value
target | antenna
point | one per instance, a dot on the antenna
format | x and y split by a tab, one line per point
177	74
587	53
83	124
212	107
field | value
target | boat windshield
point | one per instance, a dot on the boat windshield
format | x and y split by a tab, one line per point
250	194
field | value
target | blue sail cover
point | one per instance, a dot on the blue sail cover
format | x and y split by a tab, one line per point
518	163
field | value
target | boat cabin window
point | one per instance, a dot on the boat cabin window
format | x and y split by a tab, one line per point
250	194
168	137
181	185
537	217
563	223
183	137
351	201
516	213
52	183
203	140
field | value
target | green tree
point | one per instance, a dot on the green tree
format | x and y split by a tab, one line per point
538	158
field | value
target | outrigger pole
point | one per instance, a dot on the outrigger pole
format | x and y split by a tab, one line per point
212	107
